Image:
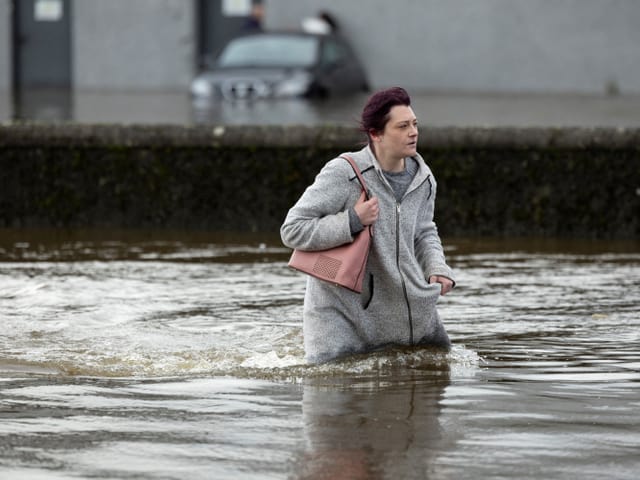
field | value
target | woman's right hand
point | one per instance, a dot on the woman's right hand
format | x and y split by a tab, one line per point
368	211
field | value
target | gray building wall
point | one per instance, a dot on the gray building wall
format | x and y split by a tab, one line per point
487	45
5	45
6	70
466	45
133	44
122	44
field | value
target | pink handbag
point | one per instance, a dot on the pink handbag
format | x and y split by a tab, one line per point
344	265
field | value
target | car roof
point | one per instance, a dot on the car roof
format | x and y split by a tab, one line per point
292	33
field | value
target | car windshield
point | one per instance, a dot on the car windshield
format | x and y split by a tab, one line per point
269	50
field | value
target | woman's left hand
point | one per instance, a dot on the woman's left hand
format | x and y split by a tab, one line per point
446	284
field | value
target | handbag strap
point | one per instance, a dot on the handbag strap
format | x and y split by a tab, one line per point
358	174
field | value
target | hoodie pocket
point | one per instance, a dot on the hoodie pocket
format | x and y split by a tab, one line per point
429	296
424	310
367	293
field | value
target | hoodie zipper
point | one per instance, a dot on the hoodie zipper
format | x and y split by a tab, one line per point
404	285
402	281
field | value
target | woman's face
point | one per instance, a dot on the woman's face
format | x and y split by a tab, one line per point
399	138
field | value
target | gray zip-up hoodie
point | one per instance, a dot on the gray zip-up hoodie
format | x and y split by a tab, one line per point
397	305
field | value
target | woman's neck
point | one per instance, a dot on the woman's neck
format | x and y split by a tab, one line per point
390	164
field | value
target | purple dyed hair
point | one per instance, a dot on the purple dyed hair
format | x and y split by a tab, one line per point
375	113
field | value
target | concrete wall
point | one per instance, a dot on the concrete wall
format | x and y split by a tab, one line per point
580	183
487	45
133	44
5	46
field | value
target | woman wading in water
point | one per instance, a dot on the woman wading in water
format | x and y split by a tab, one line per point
406	270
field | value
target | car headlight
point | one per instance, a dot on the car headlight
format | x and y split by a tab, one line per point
201	88
293	86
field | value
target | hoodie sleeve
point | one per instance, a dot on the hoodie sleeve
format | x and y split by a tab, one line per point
429	251
320	218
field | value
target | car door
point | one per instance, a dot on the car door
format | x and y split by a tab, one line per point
341	71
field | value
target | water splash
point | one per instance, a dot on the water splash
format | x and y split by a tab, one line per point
285	363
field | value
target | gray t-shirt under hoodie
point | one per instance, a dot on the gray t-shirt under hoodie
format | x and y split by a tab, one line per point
399	181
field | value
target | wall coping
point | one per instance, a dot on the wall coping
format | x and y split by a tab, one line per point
326	136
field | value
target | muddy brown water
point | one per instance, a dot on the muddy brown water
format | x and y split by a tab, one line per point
177	355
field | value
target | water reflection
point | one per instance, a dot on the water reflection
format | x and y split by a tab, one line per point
370	429
433	108
44	105
277	112
6	106
132	107
176	107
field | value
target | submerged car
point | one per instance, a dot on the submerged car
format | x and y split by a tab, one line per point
282	65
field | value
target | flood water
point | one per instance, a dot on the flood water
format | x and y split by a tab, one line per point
434	109
179	356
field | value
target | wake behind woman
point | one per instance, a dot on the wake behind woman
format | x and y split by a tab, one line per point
406	270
